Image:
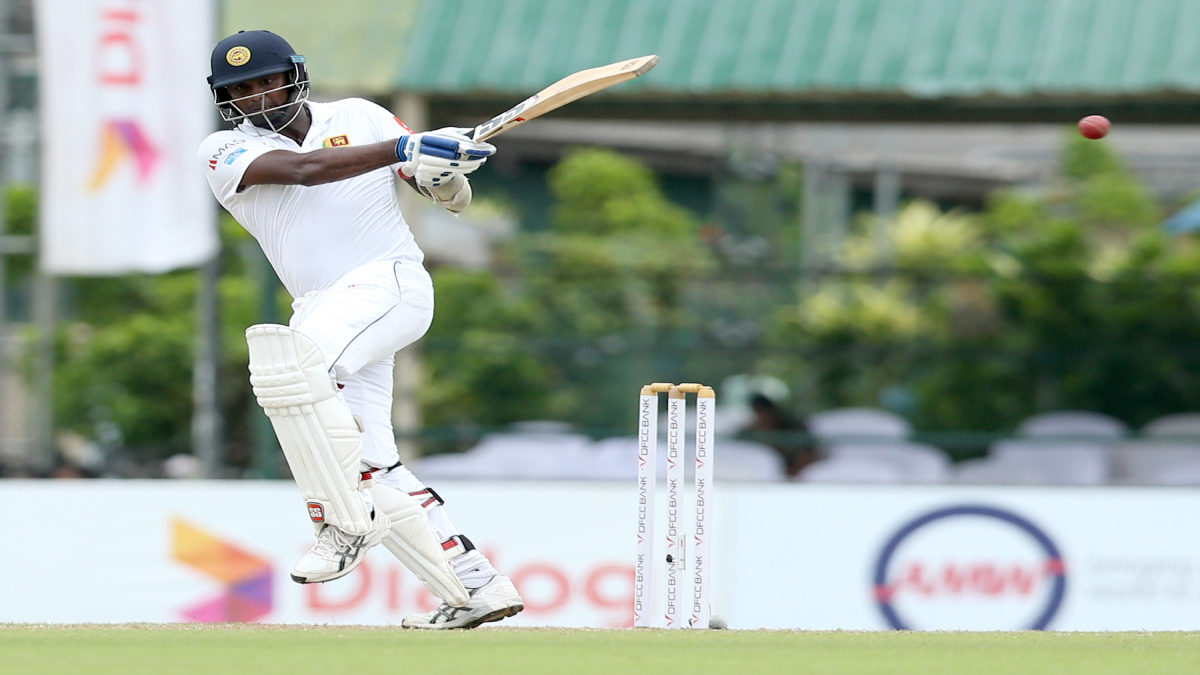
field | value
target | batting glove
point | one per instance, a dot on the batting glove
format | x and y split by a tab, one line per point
450	143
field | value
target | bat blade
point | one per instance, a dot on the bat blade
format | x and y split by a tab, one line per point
571	88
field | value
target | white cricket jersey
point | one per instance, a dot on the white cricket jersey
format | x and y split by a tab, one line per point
314	235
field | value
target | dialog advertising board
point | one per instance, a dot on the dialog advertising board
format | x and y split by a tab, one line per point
785	555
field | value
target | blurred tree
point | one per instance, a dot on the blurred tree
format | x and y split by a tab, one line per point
561	329
857	331
524	344
124	372
20	212
612	276
481	367
1073	298
753	232
124	375
618	254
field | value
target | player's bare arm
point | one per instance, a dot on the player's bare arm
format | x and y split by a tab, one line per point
435	163
327	165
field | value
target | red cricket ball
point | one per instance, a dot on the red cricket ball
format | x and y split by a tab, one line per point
1094	126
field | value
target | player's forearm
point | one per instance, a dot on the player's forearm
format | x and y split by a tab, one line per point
283	167
328	165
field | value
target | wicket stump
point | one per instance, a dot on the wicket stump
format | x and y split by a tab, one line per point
676	559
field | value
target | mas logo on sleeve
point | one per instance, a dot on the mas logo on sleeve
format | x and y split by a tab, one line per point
212	162
969	567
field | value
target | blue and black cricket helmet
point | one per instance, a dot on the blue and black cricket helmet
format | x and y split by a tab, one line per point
246	55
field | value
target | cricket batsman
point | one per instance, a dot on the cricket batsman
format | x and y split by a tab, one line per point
316	184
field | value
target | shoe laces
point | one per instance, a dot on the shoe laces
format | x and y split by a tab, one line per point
330	542
450	611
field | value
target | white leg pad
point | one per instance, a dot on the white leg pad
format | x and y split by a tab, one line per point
414	544
319	436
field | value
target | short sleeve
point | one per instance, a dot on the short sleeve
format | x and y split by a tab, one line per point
225	156
387	127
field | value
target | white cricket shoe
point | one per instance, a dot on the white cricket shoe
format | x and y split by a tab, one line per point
493	601
336	553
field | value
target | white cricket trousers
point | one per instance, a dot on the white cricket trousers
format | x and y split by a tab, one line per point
359	323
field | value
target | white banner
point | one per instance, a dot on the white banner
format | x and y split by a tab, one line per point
124	105
786	555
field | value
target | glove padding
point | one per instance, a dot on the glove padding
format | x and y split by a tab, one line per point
457	153
435	172
454	194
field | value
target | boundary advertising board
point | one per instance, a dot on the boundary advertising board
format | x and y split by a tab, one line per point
785	555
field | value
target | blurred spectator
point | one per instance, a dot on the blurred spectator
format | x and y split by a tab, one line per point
182	466
76	457
76	451
779	429
66	469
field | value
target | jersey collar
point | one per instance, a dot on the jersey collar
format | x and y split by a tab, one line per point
321	116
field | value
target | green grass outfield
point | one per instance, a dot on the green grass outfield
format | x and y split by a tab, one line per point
184	649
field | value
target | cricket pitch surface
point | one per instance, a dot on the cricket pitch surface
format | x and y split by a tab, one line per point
256	649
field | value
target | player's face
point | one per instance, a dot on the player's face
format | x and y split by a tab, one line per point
254	96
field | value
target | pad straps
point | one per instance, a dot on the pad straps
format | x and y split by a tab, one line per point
369	477
427	498
457	545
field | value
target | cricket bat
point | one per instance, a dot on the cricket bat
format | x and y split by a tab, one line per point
571	88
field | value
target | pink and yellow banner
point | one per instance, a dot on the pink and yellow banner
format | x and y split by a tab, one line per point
124	105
